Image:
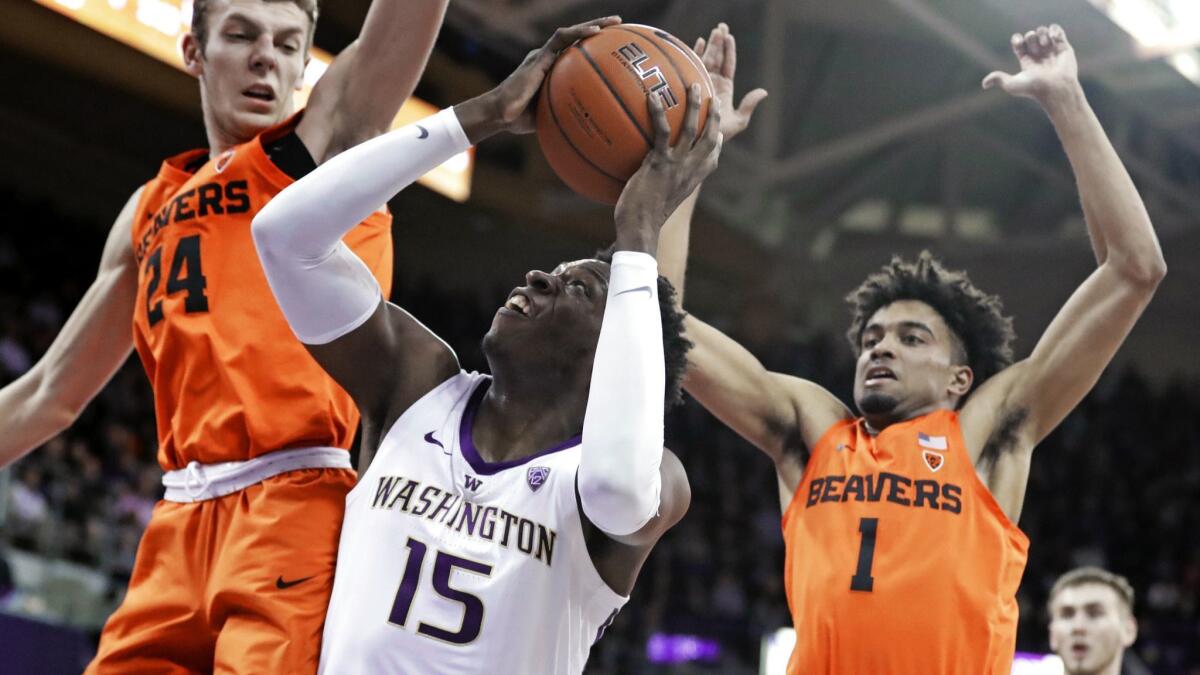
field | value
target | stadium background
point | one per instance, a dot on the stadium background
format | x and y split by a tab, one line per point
875	140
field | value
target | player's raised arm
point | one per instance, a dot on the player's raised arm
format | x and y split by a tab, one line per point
719	55
327	294
93	343
764	407
366	84
625	487
1083	338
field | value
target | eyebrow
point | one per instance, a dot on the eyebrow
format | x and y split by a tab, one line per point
601	279
242	18
916	325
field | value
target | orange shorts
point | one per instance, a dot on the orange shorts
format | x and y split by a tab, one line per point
237	584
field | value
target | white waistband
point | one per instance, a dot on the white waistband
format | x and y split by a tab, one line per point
199	481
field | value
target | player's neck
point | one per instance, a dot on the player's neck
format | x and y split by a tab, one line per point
220	137
515	422
876	423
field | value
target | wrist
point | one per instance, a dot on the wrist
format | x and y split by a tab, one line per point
478	117
638	240
1064	101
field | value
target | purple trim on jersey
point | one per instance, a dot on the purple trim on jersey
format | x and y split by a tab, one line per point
471	453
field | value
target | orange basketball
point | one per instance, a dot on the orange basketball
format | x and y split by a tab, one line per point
592	121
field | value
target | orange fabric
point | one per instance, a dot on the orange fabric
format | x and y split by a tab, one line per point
230	380
945	566
204	595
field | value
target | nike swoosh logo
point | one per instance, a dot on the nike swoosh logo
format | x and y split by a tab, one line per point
424	132
430	439
635	290
281	584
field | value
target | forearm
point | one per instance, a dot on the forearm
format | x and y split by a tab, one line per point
324	290
394	45
91	346
673	243
733	385
1118	224
619	479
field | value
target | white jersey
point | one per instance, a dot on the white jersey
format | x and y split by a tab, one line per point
449	564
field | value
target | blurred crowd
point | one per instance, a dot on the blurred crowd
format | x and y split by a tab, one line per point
1118	484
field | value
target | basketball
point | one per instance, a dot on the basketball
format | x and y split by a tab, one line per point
592	120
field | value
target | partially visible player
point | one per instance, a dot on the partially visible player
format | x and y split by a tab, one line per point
1091	621
504	519
234	571
902	549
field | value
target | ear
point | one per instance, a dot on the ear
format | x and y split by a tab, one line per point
1129	630
193	55
961	379
1053	636
300	80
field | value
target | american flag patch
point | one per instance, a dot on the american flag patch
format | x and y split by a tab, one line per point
931	442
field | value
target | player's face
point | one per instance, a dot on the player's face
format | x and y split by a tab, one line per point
558	313
906	365
253	61
1089	628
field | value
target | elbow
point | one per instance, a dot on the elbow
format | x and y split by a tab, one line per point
1142	271
262	230
617	508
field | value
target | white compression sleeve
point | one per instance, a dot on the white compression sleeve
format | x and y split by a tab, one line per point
323	288
619	481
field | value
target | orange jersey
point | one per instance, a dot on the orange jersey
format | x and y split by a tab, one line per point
898	558
230	380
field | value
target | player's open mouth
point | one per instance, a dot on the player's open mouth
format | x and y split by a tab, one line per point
261	93
878	374
518	303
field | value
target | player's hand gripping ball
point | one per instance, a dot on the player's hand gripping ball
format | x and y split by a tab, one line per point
592	120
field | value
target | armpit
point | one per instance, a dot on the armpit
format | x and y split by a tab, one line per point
1004	437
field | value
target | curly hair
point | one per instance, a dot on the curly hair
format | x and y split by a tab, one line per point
200	19
675	343
975	318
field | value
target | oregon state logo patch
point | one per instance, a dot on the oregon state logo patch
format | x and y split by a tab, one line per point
223	160
933	460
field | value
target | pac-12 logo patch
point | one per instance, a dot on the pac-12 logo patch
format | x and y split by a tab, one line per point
537	475
933	460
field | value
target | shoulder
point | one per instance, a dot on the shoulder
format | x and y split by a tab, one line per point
817	411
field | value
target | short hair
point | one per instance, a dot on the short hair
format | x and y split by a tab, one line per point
975	318
675	343
200	18
1093	575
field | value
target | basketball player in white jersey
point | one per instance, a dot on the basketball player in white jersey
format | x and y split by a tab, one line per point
503	519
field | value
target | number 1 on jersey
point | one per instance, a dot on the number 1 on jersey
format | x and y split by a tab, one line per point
862	579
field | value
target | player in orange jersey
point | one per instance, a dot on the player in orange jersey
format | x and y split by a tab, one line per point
902	550
1091	621
235	568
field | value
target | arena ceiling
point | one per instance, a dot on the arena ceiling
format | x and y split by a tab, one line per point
877	125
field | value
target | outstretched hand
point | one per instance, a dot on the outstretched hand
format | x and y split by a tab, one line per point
719	55
669	173
1048	66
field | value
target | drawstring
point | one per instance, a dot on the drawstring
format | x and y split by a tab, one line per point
195	472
